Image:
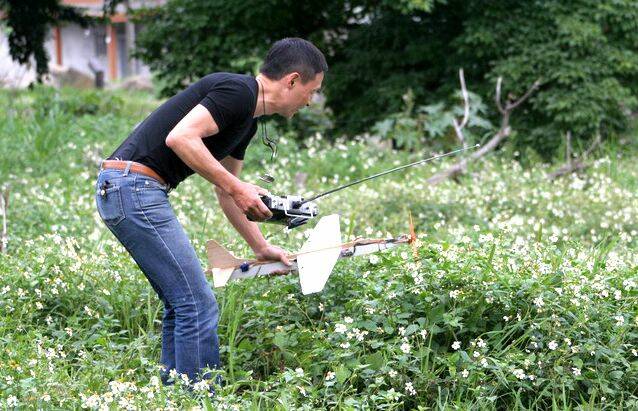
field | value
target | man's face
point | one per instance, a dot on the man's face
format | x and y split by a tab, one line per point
299	94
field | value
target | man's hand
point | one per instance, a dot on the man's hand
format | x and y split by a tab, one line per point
271	252
246	197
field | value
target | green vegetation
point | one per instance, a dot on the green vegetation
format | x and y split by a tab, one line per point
584	53
523	294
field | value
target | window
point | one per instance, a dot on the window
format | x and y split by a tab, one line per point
99	35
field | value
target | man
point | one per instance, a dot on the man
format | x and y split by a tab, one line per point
204	129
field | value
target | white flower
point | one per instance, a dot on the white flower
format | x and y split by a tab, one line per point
374	259
330	375
12	401
576	371
520	374
456	345
299	372
465	373
90	402
476	354
423	333
620	320
481	343
538	301
340	328
348	320
405	347
392	373
201	386
454	294
553	345
409	388
345	345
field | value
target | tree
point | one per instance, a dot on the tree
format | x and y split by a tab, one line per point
29	22
585	52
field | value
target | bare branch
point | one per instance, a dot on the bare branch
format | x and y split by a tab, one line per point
498	95
568	147
466	100
4	206
577	164
512	106
504	131
593	146
458	128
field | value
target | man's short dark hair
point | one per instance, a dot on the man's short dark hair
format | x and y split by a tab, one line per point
293	54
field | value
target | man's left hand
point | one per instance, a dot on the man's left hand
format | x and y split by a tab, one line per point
271	252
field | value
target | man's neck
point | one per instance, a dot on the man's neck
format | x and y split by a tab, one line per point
268	95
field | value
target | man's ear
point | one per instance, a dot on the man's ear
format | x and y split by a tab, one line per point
293	78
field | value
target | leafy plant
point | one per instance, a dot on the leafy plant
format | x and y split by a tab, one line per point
414	128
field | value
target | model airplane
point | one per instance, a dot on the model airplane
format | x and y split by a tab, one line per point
314	262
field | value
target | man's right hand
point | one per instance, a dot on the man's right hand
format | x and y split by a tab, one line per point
246	197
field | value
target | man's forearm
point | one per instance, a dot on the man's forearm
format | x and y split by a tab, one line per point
248	229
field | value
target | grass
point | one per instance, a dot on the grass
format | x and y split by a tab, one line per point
523	295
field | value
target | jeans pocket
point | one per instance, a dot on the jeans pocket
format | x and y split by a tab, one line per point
147	183
152	197
109	206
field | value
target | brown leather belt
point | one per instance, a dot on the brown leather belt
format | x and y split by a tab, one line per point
135	168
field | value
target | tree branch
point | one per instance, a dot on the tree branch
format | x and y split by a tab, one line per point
4	206
575	165
504	131
458	128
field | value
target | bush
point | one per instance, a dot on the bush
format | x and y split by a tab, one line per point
584	51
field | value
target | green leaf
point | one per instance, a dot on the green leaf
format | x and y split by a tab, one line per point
342	374
280	340
375	360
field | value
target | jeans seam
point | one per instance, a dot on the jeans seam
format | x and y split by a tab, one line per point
180	270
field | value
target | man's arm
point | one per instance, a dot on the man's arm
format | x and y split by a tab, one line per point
186	141
248	229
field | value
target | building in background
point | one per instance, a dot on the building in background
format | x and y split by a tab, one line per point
73	49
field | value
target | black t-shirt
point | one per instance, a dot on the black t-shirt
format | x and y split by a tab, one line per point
231	100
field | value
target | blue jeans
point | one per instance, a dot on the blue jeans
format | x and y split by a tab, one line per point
137	211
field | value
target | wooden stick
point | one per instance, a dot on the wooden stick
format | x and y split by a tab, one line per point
4	206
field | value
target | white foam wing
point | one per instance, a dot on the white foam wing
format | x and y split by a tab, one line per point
315	267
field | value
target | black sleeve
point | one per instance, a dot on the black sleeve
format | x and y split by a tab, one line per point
240	151
227	102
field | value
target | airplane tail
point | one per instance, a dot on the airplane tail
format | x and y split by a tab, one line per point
221	262
219	257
